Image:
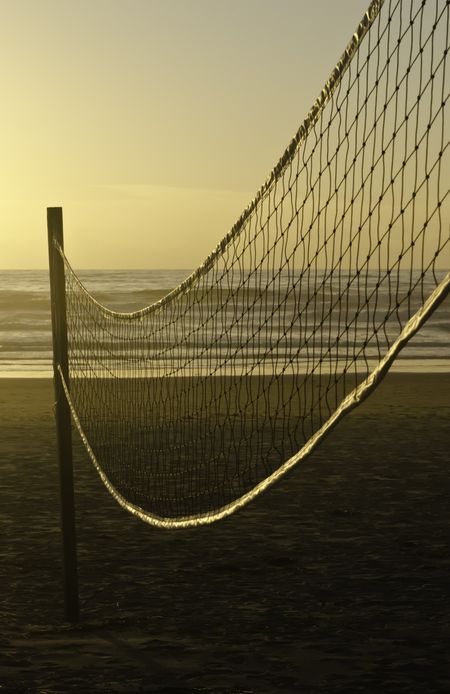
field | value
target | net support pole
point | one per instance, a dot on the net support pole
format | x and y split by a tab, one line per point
62	412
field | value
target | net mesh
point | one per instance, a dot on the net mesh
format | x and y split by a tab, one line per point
193	405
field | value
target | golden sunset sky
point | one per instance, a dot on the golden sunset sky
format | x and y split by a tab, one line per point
151	122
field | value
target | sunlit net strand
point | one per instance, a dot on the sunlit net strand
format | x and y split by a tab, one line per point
194	405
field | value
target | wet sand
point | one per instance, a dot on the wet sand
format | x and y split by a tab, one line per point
335	580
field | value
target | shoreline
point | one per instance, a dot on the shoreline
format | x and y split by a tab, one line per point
406	366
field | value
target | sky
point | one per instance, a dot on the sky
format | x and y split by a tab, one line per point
151	122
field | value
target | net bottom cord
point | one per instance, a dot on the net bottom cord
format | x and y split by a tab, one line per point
351	401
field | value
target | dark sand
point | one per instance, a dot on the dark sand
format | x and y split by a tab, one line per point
335	580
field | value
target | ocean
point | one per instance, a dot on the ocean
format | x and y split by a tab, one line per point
25	324
25	321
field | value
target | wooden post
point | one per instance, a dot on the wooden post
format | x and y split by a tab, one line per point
62	411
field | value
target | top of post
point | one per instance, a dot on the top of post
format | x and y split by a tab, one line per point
55	224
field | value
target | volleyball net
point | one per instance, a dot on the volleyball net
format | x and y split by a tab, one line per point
192	406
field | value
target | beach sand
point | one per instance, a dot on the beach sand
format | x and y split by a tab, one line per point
335	580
